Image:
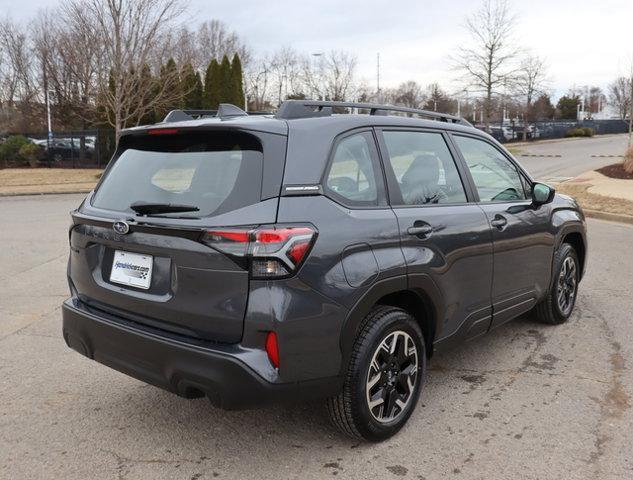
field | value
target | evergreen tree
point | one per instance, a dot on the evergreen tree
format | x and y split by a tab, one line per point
191	87
212	82
104	113
238	82
542	108
148	84
567	107
167	71
226	90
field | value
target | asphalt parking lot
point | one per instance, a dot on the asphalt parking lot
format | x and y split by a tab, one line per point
564	158
527	401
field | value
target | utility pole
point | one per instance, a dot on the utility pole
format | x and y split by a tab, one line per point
378	77
318	57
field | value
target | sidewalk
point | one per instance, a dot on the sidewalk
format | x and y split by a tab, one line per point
601	196
609	187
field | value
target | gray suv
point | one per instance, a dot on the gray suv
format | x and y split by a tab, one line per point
326	251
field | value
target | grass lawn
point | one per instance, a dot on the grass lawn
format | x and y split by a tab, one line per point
593	201
516	151
47	180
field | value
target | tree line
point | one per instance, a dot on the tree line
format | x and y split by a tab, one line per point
220	82
120	63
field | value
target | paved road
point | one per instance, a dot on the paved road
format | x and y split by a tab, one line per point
576	156
527	401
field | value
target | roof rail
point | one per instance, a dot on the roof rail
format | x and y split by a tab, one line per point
318	108
225	110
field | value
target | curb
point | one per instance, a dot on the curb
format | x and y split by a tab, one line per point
612	217
556	140
35	194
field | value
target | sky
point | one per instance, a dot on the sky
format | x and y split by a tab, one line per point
585	42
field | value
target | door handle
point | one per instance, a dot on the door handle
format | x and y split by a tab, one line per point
421	230
499	221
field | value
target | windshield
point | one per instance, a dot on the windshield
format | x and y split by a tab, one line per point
216	172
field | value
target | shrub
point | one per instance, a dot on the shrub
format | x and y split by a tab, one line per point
10	149
574	132
628	160
579	132
28	154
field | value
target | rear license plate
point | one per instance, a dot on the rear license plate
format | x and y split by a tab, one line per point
132	269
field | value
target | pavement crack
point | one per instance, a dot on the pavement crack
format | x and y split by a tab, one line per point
615	401
22	329
471	374
46	262
124	463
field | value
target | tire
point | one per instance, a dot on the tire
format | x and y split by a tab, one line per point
394	378
566	275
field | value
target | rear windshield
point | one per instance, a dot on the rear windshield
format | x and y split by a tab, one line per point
215	171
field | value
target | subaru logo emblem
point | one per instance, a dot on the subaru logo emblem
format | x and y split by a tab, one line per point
121	227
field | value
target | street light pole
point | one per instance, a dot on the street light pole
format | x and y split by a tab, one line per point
631	112
48	114
49	137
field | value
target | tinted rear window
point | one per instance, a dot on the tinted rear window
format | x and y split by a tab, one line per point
215	171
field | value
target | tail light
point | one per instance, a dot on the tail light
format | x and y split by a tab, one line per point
272	349
273	252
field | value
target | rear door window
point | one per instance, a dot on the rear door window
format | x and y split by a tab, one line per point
353	173
215	171
424	168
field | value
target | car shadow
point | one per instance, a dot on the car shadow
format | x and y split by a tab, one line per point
207	433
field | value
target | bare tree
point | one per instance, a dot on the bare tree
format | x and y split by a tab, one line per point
408	94
211	40
18	87
620	96
630	144
19	80
331	76
530	82
591	97
68	70
129	29
285	69
487	63
257	80
216	40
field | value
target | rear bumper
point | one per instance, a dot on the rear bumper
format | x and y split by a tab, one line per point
185	369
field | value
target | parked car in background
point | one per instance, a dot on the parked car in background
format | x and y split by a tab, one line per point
62	149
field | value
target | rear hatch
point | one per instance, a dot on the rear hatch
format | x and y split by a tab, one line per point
136	244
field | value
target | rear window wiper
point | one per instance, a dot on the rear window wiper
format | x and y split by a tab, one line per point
144	208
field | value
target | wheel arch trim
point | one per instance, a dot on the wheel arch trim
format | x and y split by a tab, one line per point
571	225
424	288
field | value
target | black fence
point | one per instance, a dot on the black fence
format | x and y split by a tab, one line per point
94	148
509	131
75	149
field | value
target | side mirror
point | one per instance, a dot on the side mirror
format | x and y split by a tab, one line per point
542	194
